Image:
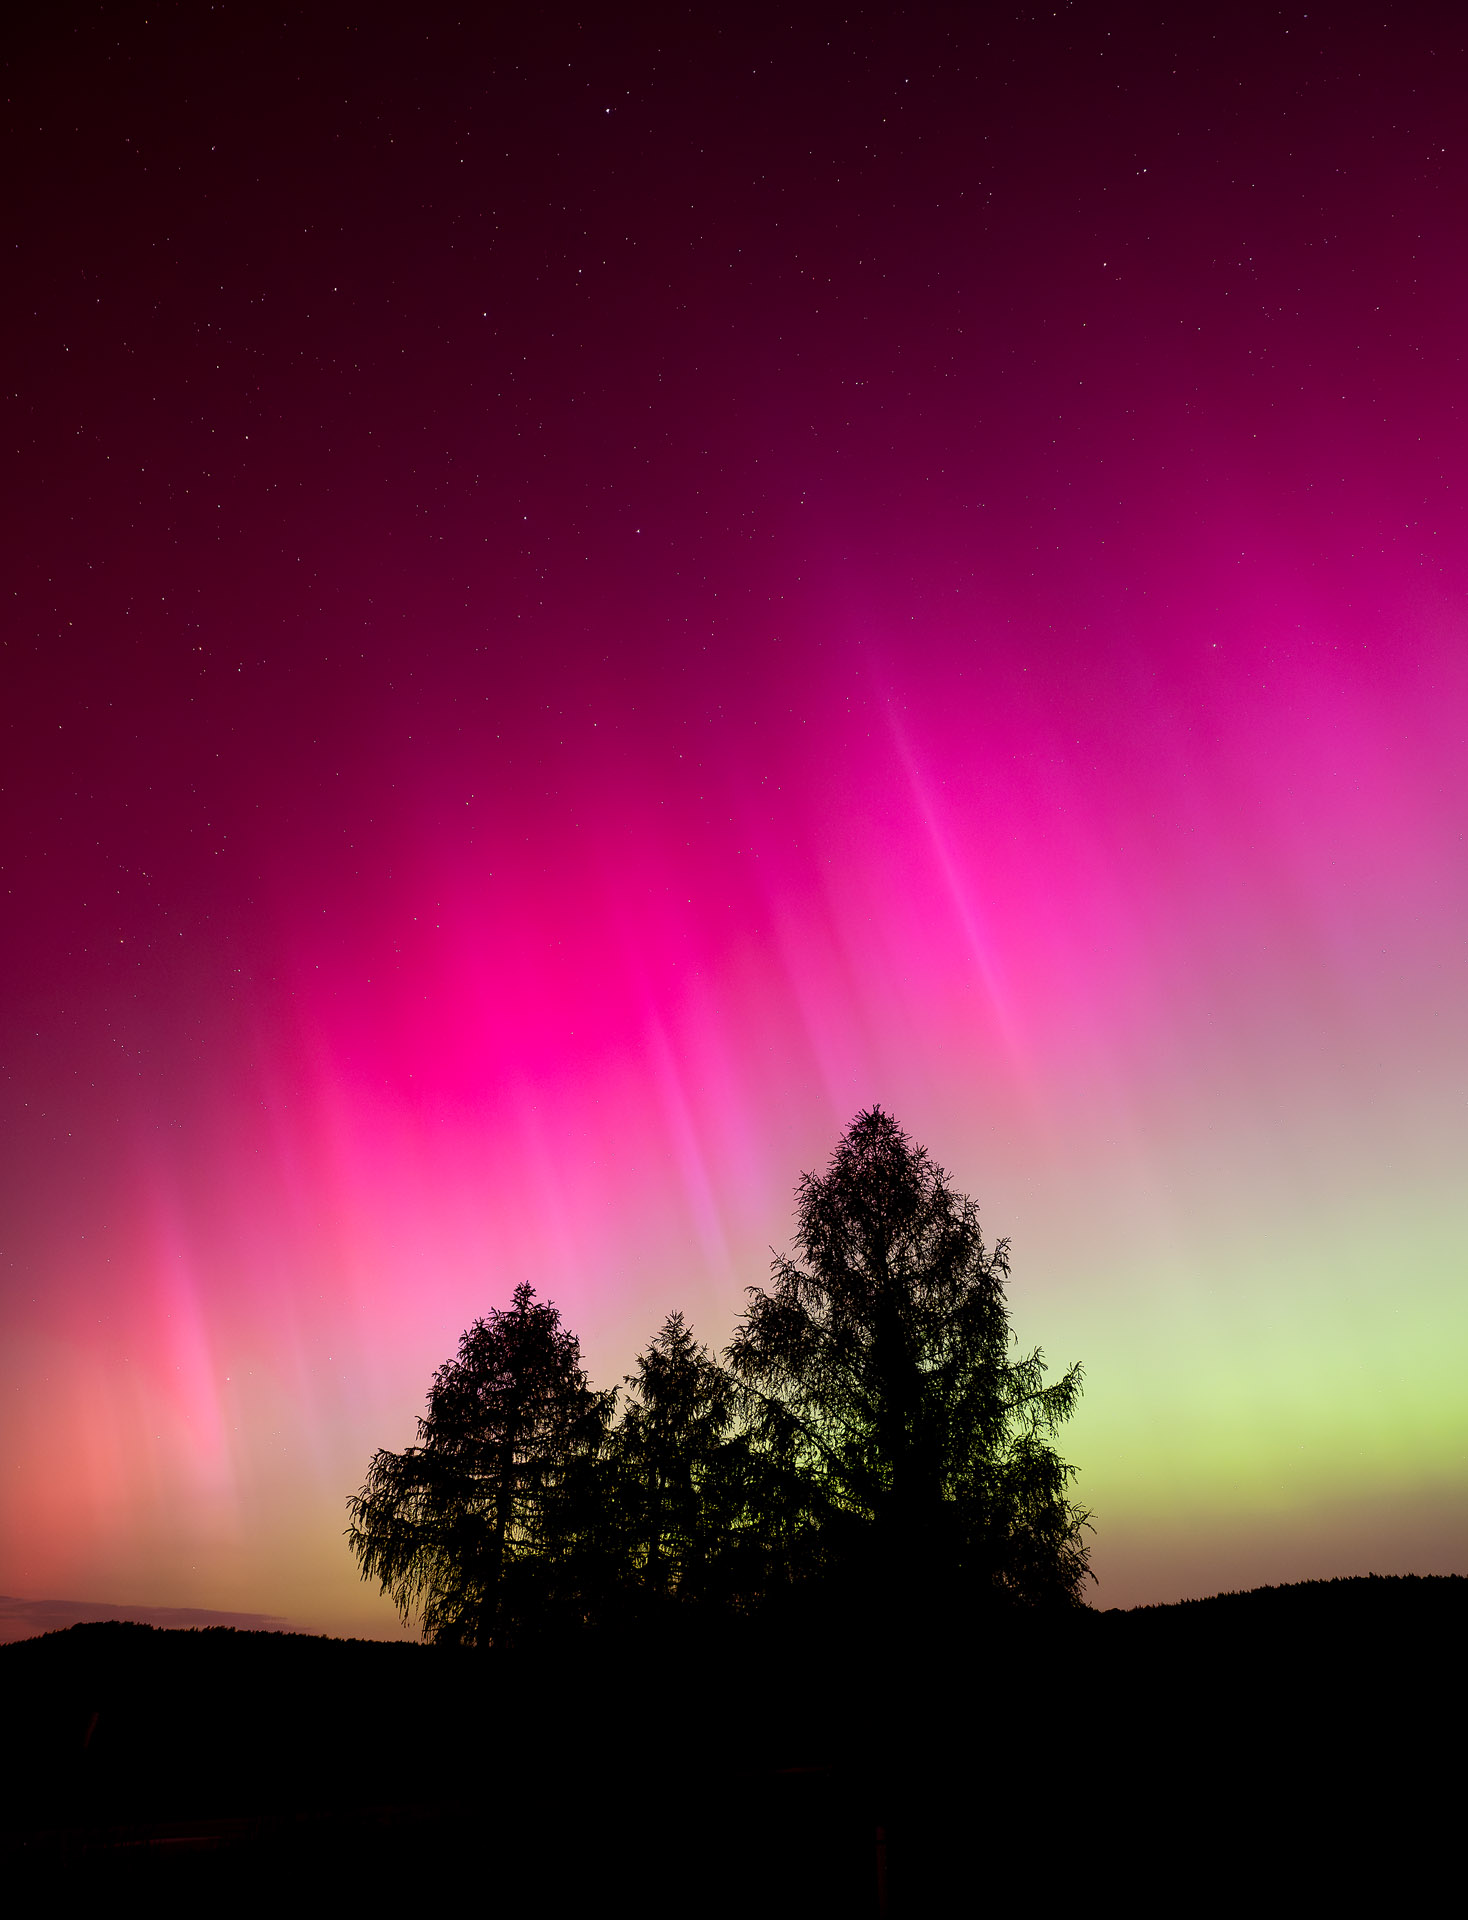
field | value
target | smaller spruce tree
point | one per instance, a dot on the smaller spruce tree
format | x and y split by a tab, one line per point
471	1531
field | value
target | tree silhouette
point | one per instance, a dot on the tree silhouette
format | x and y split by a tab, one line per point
701	1507
672	1450
480	1528
873	1436
877	1371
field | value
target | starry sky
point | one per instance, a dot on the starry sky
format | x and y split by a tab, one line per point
584	600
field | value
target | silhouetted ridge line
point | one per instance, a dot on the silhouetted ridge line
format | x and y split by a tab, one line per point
1339	1592
22	1619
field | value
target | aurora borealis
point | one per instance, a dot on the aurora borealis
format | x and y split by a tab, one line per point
584	602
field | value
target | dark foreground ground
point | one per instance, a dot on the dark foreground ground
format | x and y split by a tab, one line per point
1279	1748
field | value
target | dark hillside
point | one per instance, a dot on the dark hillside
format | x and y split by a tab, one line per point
1307	1732
218	1757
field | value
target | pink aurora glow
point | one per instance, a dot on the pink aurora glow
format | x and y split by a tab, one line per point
1069	758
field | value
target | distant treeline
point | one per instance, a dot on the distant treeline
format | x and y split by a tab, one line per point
869	1437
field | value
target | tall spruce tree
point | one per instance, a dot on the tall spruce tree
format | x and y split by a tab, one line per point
878	1369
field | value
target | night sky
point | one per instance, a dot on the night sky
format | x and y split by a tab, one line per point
583	601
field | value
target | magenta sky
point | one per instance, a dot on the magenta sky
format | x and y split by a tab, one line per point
582	606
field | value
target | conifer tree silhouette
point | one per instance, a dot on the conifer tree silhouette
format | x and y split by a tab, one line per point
468	1531
878	1370
677	1462
872	1435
